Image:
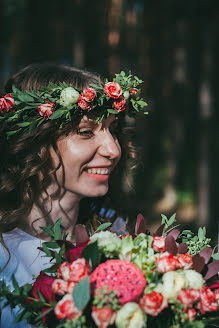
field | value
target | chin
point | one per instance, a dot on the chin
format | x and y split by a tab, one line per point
98	192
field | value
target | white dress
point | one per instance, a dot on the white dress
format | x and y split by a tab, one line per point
26	261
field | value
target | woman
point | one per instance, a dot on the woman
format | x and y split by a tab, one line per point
47	170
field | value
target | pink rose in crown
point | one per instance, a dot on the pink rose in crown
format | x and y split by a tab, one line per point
191	313
158	244
113	90
189	296
43	284
166	263
66	308
184	261
207	300
119	105
83	104
120	276
89	94
103	317
6	103
133	92
46	110
74	253
153	303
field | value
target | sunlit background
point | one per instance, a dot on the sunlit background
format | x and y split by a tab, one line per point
173	45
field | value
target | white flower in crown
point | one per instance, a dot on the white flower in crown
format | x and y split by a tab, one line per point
193	279
69	96
173	282
131	316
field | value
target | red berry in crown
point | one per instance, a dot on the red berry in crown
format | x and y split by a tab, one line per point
120	276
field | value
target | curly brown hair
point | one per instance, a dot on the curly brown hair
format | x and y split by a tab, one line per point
27	168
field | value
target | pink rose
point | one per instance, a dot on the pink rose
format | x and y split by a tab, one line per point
133	92
59	286
74	253
103	317
89	94
184	261
191	314
166	263
63	271
43	284
158	244
6	103
85	105
189	296
46	110
119	105
113	90
208	300
70	287
153	303
78	270
66	308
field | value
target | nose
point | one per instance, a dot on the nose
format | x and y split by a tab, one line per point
109	146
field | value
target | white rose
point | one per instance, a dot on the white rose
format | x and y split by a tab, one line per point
130	316
69	96
193	279
173	282
107	241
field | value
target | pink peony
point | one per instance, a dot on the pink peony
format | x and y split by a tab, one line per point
207	300
66	308
113	90
6	103
119	105
103	317
153	303
46	110
158	244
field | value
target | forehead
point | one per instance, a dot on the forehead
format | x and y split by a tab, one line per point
91	121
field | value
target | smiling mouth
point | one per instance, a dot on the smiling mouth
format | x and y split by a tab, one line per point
101	174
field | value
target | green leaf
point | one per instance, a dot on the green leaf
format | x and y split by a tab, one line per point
81	293
91	254
164	219
56	114
57	229
25	98
200	234
142	103
46	250
172	219
10	133
215	256
51	244
104	226
23	124
15	284
112	111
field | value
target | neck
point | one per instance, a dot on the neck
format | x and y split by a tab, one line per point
47	211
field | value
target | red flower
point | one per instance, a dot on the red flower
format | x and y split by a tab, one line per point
74	271
6	103
103	317
89	94
191	314
46	110
119	105
133	92
153	303
113	90
166	263
208	301
74	253
85	105
189	296
184	261
66	308
158	244
43	284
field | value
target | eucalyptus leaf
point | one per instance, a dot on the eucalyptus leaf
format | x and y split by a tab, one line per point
56	114
112	111
57	229
81	293
23	124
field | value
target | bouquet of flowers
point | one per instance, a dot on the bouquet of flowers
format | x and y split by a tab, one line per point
135	280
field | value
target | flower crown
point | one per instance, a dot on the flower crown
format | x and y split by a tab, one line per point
27	110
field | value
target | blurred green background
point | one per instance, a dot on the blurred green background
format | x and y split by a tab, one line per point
173	45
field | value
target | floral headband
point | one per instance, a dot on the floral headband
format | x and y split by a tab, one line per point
27	110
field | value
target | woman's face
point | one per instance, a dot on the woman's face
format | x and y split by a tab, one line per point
89	156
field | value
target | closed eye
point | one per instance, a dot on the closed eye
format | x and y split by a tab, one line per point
85	132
